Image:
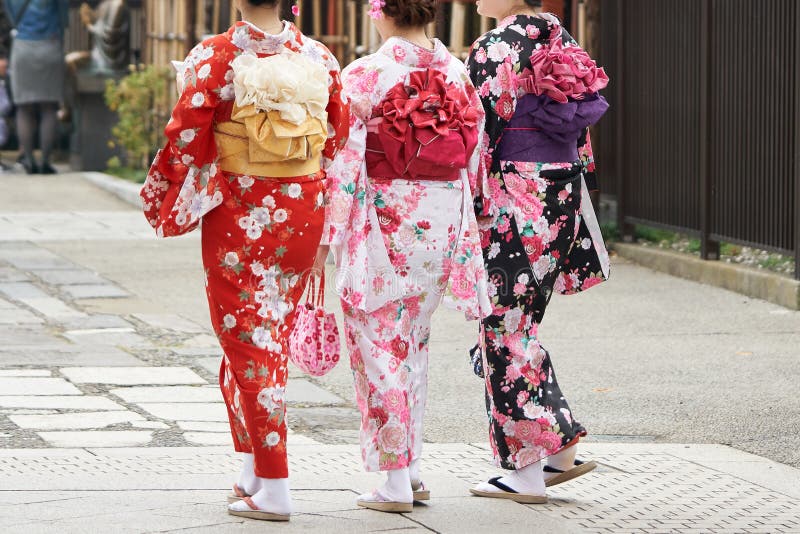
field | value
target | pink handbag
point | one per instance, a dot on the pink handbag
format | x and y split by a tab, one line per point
314	344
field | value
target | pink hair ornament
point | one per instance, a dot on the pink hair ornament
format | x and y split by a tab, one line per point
295	10
376	11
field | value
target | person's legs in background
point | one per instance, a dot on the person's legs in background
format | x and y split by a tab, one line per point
26	131
48	132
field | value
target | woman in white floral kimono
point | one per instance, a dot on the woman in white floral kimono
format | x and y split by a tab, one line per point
402	227
244	151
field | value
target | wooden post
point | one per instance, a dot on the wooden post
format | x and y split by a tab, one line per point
352	30
484	24
797	152
709	249
457	23
316	28
625	230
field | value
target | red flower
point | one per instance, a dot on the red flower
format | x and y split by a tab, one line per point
399	348
389	219
505	106
424	225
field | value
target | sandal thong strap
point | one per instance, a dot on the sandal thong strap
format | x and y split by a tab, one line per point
249	502
548	469
499	485
239	492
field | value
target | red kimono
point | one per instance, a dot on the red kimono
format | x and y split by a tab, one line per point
255	179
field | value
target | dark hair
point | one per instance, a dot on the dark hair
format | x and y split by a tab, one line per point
268	3
409	13
534	3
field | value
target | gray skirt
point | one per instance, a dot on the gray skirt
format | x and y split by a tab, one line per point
37	71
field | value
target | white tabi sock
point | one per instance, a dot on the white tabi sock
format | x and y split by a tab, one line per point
398	486
248	481
564	460
528	480
273	497
413	473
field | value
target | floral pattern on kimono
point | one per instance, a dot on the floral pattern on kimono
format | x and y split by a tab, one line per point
374	267
402	246
259	233
539	235
185	181
496	63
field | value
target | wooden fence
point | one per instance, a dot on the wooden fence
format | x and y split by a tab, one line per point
704	136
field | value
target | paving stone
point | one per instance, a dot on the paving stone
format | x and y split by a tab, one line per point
203	341
304	392
21	290
23	411
208	438
33	258
74	420
187	411
210	364
203	426
216	351
156	425
53	308
169	394
50	355
174	323
132	376
25	372
58	402
11	314
13	337
95	291
35	298
8	274
36	386
64	277
97	438
97	322
112	337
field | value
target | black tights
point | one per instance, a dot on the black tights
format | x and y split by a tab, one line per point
48	128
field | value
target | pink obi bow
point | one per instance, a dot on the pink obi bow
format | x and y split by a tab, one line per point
425	129
562	72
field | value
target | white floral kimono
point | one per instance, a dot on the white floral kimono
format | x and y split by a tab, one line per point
402	244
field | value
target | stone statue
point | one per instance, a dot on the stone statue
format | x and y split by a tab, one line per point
110	26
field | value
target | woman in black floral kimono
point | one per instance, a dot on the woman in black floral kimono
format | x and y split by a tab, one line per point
539	233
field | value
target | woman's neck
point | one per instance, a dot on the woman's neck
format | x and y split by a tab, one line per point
415	36
266	19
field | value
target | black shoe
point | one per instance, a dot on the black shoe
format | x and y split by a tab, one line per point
46	168
28	164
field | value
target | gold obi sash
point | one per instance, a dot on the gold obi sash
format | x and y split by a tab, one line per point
260	143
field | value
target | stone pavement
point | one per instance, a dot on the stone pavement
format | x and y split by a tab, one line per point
110	419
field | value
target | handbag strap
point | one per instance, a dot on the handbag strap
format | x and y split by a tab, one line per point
315	292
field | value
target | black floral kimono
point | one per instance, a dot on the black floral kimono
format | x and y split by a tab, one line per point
539	231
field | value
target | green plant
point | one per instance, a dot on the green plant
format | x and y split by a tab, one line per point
137	99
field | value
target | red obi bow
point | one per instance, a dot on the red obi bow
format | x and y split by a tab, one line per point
425	129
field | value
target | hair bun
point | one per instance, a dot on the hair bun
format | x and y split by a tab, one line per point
408	13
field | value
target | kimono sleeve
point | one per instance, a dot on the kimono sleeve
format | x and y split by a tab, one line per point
184	181
344	173
477	172
586	155
338	117
499	108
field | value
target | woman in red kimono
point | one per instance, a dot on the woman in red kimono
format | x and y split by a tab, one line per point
259	116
